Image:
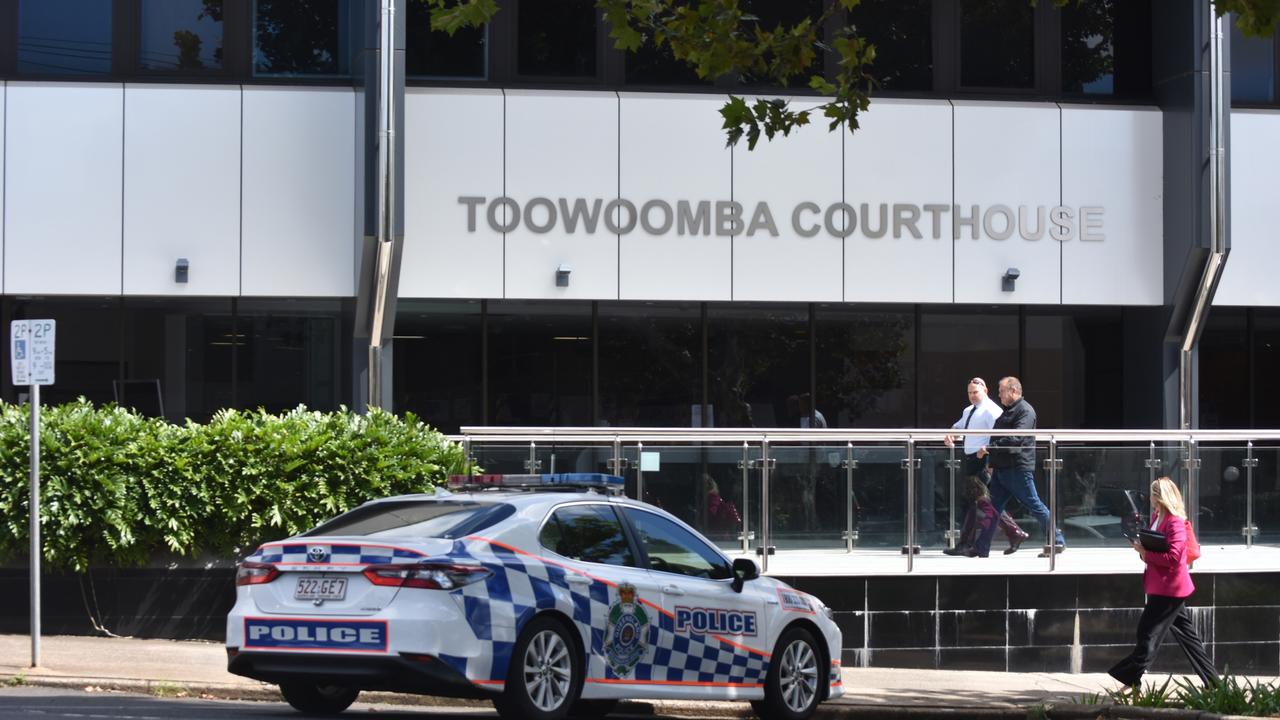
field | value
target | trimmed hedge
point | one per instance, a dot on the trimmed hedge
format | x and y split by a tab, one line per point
118	488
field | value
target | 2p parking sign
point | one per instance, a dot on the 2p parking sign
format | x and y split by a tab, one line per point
31	351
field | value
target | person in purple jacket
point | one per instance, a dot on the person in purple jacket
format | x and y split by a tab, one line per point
1168	585
979	523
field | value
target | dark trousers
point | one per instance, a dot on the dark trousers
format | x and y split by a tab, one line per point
1007	483
1161	616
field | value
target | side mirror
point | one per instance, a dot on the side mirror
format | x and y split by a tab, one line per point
744	569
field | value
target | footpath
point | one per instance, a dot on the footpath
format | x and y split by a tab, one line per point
170	668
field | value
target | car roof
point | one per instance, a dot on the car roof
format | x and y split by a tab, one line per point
519	498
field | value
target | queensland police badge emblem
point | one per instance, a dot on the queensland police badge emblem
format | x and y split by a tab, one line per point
626	636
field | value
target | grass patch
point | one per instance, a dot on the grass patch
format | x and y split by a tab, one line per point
1230	696
18	680
169	690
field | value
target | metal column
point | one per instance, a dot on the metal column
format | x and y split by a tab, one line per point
1249	530
911	463
849	465
1053	465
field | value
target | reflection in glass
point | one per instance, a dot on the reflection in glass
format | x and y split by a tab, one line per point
1223	494
955	347
997	44
64	37
648	65
556	38
686	480
590	533
438	362
539	363
807	497
430	53
304	37
181	35
289	357
650	365
902	31
1266	358
185	349
1102	494
1106	47
866	368
87	361
780	16
1073	366
1224	361
1253	68
759	366
672	549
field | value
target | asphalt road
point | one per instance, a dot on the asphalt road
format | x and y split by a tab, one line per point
36	703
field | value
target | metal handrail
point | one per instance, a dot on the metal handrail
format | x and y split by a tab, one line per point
842	435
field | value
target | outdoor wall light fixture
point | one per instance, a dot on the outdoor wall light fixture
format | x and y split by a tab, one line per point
181	271
562	275
1009	278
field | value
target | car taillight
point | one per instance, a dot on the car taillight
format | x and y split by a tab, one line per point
255	573
428	575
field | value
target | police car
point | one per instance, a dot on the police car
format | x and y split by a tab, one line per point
553	600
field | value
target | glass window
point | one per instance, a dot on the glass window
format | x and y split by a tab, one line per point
997	44
87	360
287	354
1266	358
430	518
1106	47
556	38
758	362
438	54
539	363
587	532
648	65
1253	68
438	363
902	31
775	14
1224	366
650	364
181	35
177	358
673	549
957	346
64	37
1074	365
866	367
305	37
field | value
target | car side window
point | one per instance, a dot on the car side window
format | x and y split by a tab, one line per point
673	549
589	532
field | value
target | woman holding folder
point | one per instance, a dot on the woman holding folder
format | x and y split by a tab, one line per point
1168	585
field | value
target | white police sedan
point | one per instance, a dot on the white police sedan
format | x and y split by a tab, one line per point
554	601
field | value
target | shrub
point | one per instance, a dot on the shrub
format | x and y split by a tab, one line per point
118	488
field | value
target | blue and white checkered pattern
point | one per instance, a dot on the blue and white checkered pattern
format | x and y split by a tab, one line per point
338	554
522	584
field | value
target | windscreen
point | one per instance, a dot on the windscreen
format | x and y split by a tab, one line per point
419	518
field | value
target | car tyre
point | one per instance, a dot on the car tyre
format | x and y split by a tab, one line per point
316	699
793	685
545	678
592	709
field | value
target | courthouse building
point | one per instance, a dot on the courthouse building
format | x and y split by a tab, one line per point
186	191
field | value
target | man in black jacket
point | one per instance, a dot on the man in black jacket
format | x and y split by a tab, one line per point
1013	460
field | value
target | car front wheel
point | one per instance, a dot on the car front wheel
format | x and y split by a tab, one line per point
791	688
545	678
318	699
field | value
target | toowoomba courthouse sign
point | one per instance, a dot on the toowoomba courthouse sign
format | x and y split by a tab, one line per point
618	216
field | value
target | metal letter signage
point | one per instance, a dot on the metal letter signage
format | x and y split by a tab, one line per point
731	218
31	351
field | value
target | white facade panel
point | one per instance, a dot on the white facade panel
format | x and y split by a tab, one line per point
673	151
898	162
780	175
561	146
1249	276
63	198
181	189
1006	158
453	149
298	193
1112	161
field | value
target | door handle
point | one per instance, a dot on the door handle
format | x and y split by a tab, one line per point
671	590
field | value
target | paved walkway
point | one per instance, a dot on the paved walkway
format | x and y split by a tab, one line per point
199	668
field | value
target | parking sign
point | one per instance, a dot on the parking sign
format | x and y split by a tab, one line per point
31	351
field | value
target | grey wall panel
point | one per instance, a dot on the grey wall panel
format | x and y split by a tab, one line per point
63	197
453	149
1249	277
182	189
298	194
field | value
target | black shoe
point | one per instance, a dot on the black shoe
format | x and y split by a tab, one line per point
953	551
1016	543
1057	550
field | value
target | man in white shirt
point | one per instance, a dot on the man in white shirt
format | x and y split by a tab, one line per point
981	415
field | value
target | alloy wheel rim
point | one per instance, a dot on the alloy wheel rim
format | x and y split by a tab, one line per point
798	676
547	671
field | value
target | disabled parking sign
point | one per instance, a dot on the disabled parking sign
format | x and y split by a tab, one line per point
31	351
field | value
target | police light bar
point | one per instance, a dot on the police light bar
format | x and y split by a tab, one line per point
546	480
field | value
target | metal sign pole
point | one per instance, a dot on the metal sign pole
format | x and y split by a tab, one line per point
35	526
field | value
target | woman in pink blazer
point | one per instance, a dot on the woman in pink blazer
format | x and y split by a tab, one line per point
1168	585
